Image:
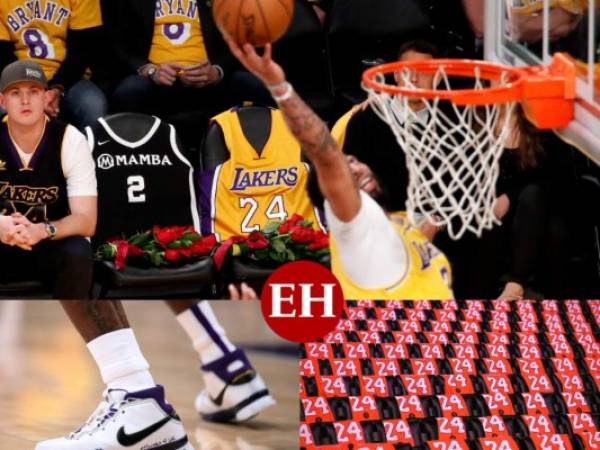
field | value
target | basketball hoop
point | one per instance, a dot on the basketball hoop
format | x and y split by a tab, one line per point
453	138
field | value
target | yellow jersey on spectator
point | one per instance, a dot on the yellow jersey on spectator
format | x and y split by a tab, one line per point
177	33
39	28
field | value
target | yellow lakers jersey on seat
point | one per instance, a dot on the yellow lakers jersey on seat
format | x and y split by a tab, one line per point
428	274
177	33
39	28
250	189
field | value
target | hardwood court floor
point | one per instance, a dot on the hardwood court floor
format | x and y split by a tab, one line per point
51	385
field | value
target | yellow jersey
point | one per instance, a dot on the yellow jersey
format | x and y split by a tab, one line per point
250	189
339	128
526	7
428	273
177	33
39	28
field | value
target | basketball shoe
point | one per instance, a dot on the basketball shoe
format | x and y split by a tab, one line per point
127	420
234	391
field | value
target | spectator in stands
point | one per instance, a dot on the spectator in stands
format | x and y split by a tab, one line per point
372	141
321	8
534	188
457	27
526	23
47	188
62	39
173	59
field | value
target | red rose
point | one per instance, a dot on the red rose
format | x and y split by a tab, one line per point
257	241
165	235
302	234
121	254
284	228
180	231
186	253
321	241
210	240
295	219
172	255
135	251
200	248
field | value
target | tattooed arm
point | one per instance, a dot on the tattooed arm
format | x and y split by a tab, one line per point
335	180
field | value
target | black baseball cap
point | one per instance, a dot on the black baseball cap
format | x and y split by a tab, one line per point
23	70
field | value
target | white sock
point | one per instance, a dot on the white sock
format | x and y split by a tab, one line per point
205	332
120	361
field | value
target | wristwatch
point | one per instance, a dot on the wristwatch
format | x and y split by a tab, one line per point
51	230
148	70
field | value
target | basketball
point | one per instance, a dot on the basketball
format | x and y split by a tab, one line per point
256	22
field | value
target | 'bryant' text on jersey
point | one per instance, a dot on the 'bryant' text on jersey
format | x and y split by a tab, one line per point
244	179
176	8
108	161
21	16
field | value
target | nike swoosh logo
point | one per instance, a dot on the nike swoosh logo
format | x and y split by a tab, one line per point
127	440
242	377
104	142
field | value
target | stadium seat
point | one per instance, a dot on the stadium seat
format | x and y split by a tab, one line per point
361	33
23	289
310	74
191	279
256	125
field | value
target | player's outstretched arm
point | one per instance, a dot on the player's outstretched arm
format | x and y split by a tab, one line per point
335	180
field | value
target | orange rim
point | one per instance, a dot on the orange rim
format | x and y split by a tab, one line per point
511	91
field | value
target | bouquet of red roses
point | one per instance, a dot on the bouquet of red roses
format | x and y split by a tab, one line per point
168	246
280	242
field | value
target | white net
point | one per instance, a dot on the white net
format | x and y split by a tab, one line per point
452	153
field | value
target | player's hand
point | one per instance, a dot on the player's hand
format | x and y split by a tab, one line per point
246	293
53	106
166	73
263	67
200	75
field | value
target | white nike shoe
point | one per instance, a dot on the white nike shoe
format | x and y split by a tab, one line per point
234	393
124	420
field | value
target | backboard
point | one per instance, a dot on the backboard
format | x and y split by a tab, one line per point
528	32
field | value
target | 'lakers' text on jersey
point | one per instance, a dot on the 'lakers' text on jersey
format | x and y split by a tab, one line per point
143	183
250	189
427	276
39	27
37	190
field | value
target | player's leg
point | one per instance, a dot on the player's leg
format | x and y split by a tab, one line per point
233	392
133	414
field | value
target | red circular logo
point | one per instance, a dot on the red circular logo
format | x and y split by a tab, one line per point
302	301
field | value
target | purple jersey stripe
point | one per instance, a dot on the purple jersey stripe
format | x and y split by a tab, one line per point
205	182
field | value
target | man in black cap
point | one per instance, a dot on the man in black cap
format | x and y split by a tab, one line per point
47	189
